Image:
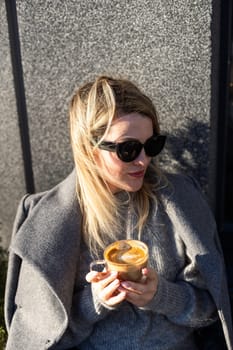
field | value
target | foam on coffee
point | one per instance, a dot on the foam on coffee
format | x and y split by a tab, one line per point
126	253
127	257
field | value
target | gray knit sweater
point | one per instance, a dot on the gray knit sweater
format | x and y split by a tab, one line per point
181	304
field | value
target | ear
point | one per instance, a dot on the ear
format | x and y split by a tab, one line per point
97	156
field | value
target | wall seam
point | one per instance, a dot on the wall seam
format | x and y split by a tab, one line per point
17	71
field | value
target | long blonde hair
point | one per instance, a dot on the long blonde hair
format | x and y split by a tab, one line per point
92	110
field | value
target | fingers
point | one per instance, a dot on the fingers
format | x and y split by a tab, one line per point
117	299
149	273
105	285
132	287
111	290
143	292
107	279
110	295
95	276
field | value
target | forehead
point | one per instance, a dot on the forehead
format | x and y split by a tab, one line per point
133	124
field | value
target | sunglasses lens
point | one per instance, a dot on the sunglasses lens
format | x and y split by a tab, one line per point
129	150
154	145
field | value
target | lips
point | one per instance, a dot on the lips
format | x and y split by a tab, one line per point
137	174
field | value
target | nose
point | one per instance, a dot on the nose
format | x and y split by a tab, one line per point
142	158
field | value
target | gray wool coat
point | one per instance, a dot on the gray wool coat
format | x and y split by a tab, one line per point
44	252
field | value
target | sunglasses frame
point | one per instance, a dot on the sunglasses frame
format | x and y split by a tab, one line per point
116	147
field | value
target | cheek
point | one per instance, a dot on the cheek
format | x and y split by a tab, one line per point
109	163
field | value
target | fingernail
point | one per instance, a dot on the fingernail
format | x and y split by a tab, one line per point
125	284
143	279
116	282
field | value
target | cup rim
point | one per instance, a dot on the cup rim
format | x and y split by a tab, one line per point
136	241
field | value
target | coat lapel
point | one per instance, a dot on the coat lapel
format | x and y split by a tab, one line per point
49	238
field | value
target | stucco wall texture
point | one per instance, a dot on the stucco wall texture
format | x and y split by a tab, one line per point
163	46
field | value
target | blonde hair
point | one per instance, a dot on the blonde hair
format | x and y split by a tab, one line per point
92	110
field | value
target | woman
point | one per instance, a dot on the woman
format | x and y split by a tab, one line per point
115	192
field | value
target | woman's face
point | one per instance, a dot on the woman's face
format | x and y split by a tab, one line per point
118	174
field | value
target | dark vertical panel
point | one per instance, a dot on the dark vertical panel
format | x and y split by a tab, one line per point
222	183
223	111
20	92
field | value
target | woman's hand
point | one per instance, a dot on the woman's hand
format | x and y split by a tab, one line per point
141	293
106	287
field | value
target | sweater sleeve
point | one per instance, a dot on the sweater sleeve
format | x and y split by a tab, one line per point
183	303
188	299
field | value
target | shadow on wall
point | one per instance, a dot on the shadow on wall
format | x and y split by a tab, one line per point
187	151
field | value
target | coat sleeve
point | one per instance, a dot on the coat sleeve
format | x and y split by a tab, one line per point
36	316
28	295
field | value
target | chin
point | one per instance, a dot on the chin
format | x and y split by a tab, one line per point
134	187
124	186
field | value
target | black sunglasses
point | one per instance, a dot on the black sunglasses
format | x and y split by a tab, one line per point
128	151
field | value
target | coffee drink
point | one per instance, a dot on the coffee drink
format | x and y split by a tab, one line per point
127	257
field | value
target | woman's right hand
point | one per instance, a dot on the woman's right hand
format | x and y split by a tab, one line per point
105	286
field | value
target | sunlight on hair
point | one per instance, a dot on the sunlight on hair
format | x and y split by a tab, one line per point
92	111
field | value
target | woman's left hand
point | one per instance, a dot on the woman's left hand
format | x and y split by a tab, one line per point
141	293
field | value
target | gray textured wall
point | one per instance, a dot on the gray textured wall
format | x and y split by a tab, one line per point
163	46
12	185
